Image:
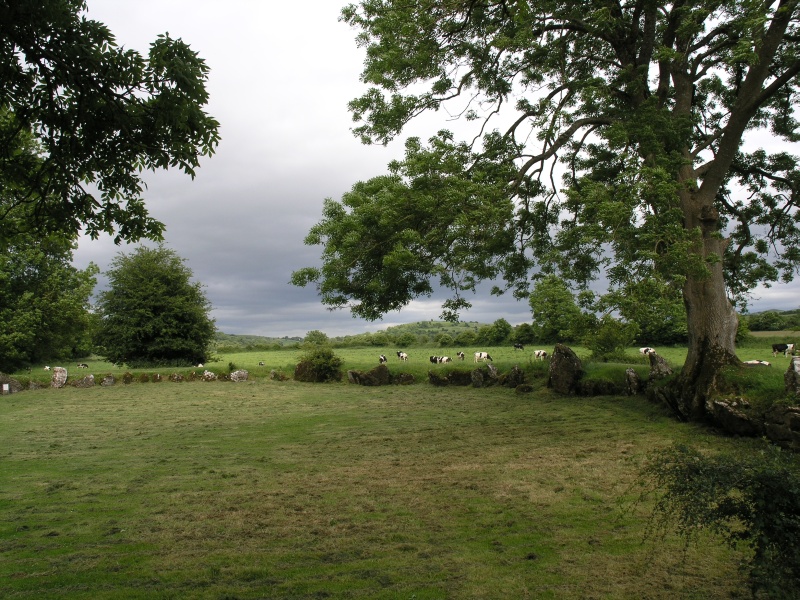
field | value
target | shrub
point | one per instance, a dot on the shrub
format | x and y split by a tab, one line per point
319	364
747	497
611	338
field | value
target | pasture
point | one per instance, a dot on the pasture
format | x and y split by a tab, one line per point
268	489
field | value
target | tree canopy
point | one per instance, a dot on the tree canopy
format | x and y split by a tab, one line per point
81	118
609	139
44	303
152	313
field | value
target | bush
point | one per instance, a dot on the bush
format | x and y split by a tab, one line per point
319	364
611	338
747	497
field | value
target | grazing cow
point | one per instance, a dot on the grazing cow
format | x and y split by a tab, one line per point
647	350
382	358
785	348
519	347
83	366
445	359
199	366
482	356
540	354
757	363
434	359
460	355
47	368
402	355
261	363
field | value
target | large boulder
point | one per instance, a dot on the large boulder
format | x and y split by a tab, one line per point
85	382
240	375
791	378
374	377
14	386
658	367
566	370
59	378
514	378
633	383
782	425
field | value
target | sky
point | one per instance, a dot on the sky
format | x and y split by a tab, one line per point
281	76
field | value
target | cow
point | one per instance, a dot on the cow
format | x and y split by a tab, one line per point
482	356
261	363
757	363
434	359
460	355
519	347
647	350
83	366
445	359
382	358
46	368
785	348
402	355
540	354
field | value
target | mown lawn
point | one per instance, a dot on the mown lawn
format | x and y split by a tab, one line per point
269	489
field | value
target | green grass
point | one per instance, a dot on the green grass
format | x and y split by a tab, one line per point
270	489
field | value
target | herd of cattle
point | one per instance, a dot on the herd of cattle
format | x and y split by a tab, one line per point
538	354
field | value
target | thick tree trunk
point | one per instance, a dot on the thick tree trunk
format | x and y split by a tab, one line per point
712	320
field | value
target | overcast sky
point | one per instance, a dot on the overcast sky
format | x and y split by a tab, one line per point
281	76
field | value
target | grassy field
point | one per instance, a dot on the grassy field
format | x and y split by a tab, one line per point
268	489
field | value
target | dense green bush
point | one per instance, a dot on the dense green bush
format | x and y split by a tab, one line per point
318	364
750	497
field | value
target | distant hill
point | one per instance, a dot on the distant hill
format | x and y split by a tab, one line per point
245	342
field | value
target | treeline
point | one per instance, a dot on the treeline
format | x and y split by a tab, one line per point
774	320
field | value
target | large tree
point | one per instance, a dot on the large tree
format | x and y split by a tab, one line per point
152	313
643	106
44	303
98	115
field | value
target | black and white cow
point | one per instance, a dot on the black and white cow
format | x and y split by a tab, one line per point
382	358
647	350
460	355
83	366
785	348
482	356
402	355
440	359
261	363
540	354
519	347
757	363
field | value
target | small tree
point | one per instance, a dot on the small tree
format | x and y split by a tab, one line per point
152	313
610	339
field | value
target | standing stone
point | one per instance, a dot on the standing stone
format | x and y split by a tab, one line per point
86	382
566	370
658	367
108	380
14	386
59	378
633	385
240	375
791	378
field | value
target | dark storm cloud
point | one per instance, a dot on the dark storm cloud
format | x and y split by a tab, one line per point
280	81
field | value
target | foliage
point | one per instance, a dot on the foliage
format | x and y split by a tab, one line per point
599	141
152	313
556	315
315	338
523	334
770	320
610	338
81	118
746	497
44	302
319	364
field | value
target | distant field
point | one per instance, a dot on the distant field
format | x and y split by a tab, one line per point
269	489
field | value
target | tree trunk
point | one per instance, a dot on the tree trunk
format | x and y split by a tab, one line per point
711	319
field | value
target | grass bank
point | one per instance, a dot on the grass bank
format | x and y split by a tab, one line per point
269	489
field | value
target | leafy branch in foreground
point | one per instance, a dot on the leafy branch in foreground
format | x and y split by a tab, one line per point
748	498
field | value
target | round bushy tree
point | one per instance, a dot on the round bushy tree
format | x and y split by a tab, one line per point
153	313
